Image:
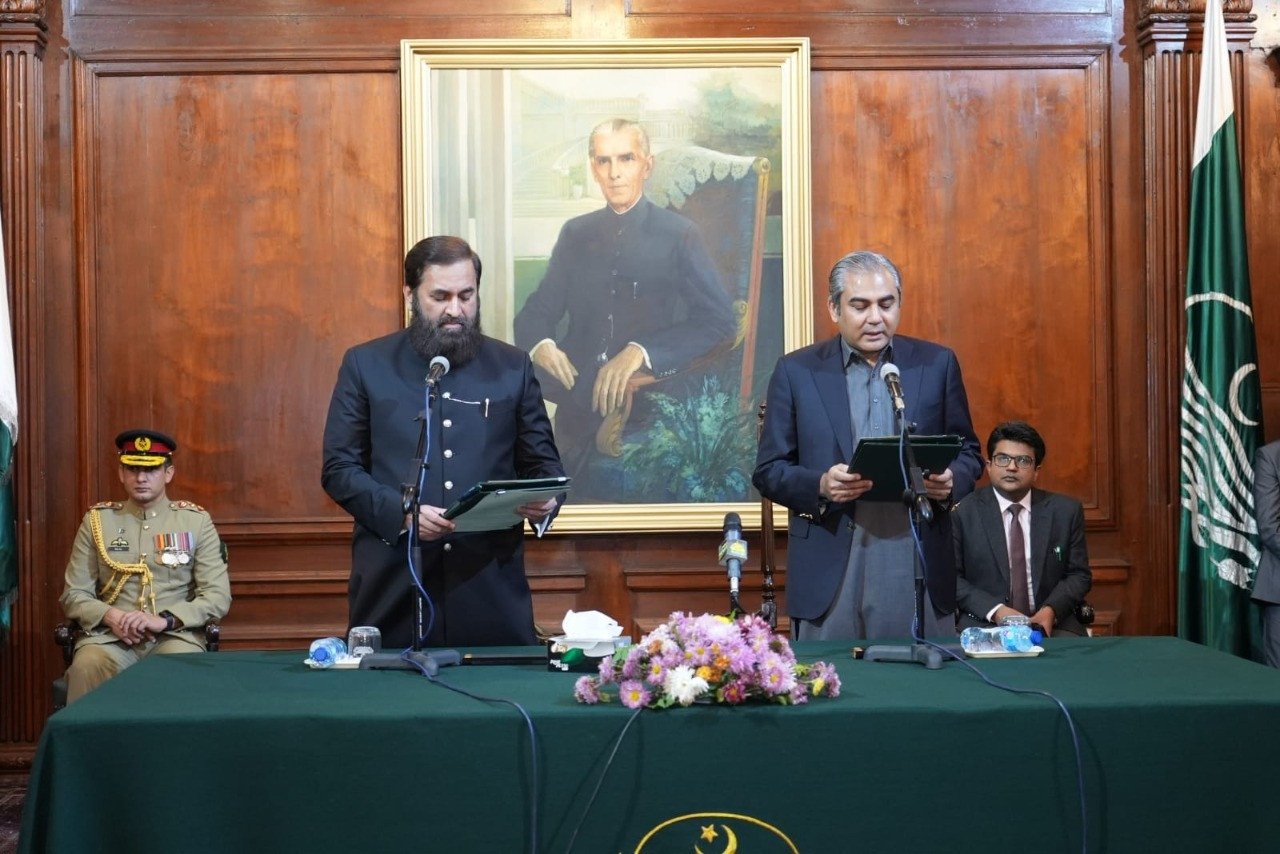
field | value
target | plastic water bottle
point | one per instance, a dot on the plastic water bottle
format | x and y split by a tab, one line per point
1017	638
326	651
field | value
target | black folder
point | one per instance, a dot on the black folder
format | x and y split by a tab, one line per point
496	500
877	459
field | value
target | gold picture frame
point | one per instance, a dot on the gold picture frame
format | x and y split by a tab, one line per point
495	150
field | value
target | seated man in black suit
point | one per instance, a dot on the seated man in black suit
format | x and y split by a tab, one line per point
1019	550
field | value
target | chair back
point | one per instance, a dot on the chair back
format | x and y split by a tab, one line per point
725	196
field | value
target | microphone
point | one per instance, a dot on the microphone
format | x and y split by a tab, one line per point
733	551
439	367
889	373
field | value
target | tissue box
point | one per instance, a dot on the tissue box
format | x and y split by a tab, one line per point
592	650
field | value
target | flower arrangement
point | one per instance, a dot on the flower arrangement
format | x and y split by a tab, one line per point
709	659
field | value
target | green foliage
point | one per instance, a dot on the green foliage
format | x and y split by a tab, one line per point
700	448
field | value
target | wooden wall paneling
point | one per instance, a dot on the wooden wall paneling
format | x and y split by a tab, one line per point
23	39
104	28
1261	165
221	285
885	27
1170	40
578	572
988	189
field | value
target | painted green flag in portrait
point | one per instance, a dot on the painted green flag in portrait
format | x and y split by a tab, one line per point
1221	397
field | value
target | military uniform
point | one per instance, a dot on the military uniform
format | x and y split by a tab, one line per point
180	549
166	560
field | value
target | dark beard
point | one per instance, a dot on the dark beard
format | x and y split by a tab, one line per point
429	340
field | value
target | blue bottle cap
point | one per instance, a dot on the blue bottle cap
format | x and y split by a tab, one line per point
1036	637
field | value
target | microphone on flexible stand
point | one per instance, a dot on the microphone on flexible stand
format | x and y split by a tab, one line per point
439	367
916	497
889	373
915	488
733	551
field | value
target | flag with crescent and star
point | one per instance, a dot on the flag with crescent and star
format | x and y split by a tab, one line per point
1221	394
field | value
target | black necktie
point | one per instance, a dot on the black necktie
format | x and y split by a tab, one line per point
1019	598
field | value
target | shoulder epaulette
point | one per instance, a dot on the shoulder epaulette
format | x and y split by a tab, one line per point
108	505
185	505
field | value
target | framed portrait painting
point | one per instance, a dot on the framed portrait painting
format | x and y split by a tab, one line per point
642	210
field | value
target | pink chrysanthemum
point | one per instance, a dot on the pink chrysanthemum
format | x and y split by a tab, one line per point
587	690
633	694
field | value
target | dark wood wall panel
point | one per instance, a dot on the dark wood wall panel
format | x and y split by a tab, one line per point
1261	166
985	187
226	277
223	282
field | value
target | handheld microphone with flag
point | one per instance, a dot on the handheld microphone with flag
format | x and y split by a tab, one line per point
439	367
733	551
889	373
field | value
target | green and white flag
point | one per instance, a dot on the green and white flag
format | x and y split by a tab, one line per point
1221	397
8	438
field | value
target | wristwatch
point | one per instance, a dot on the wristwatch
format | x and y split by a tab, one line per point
170	621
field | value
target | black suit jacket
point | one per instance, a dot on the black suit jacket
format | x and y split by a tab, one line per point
1059	566
807	430
488	423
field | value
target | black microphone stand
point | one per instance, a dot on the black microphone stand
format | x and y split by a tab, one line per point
768	605
735	607
426	662
917	500
409	502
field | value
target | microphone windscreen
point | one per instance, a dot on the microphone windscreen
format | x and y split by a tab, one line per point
888	369
440	366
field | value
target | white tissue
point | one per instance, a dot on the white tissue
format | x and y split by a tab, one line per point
591	631
590	625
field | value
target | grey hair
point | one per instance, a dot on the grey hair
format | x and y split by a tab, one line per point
614	126
864	262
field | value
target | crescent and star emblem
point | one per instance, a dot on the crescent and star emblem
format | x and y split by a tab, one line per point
709	835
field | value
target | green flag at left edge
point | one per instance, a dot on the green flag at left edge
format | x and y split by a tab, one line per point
8	440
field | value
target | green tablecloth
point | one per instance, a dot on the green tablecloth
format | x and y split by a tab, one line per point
234	751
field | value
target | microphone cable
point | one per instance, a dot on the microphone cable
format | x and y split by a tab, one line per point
604	772
533	740
411	546
917	633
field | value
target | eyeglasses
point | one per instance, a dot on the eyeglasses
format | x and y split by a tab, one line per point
1023	461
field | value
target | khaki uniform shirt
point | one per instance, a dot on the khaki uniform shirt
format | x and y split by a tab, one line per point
177	542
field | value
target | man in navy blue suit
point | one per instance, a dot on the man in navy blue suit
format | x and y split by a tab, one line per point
850	561
488	423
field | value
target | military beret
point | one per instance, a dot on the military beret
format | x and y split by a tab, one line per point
146	448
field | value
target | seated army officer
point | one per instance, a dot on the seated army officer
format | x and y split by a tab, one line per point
146	574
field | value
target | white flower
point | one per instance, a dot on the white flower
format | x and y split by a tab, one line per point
682	685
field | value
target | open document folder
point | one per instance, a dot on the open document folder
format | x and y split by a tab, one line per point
877	459
491	504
